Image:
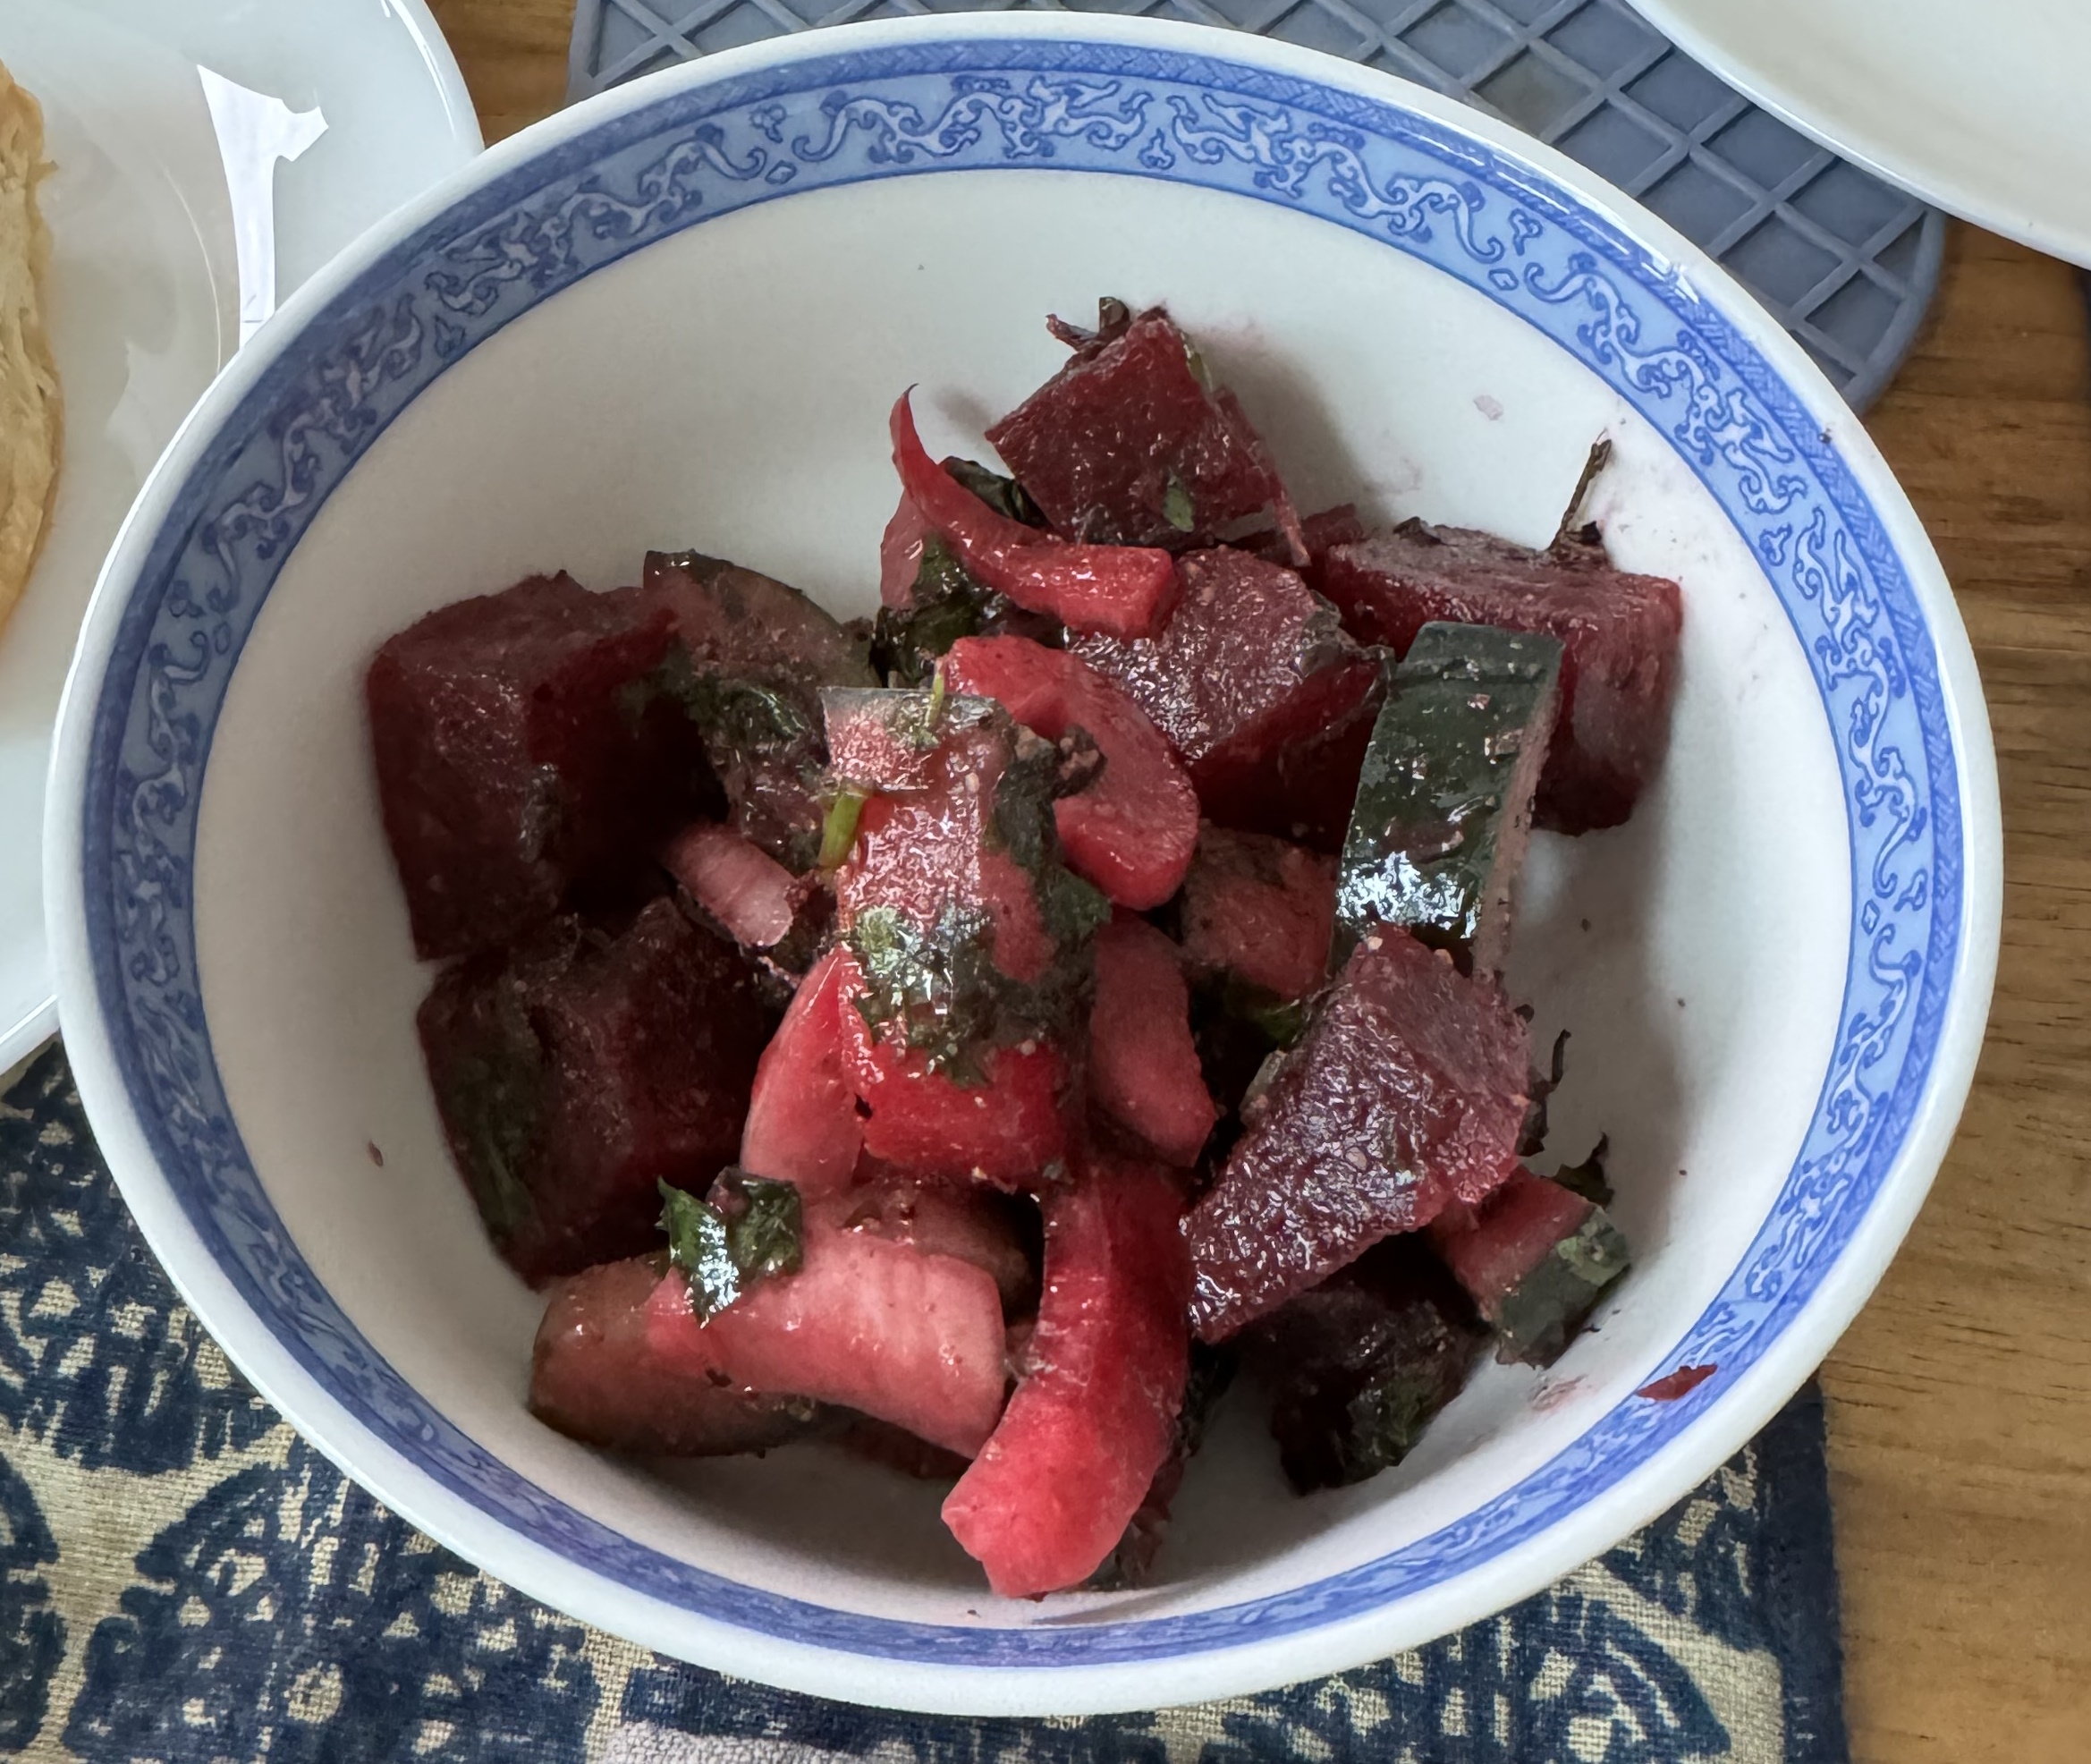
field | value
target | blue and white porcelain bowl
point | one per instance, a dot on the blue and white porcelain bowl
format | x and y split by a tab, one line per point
677	316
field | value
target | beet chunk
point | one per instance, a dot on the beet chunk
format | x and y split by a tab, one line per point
1363	1363
803	1124
512	766
596	1376
1251	666
1260	910
1535	1258
754	655
866	1322
1619	635
1131	443
1407	1091
579	1070
1131	831
1094	1418
1144	1072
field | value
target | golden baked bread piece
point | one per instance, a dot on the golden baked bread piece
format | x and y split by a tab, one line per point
29	407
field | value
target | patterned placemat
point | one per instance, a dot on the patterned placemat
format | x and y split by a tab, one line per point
183	1579
1847	263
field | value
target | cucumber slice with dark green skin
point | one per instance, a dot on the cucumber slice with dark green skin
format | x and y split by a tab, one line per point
1444	800
1537	1319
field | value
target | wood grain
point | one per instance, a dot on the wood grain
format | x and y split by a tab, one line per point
1960	1431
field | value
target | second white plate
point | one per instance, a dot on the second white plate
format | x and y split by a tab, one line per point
1978	109
210	157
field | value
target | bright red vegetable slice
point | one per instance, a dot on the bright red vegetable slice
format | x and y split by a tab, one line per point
596	1376
803	1122
1132	831
1004	1131
877	1326
1094	1418
1123	590
736	881
1144	1071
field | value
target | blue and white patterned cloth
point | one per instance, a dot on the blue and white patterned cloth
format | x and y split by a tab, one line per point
181	1578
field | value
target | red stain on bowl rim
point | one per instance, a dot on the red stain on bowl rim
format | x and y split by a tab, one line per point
1671	1385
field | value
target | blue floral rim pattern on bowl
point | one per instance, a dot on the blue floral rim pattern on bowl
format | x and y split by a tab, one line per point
927	107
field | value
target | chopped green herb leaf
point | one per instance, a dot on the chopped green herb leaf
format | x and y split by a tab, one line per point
1178	509
1587	1178
838	828
1004	496
756	1231
941	985
698	1244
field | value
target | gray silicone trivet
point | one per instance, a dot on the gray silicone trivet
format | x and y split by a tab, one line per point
1848	263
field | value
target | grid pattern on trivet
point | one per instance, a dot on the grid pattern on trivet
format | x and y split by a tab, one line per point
1846	262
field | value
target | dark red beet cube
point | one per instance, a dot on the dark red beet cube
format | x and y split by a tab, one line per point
581	1069
868	1323
1406	1092
515	760
1259	909
1252	668
1132	830
1144	1071
1618	636
1535	1258
1131	443
747	625
1094	1416
1363	1363
755	654
596	1376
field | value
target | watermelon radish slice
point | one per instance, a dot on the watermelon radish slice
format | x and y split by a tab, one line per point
969	1224
748	891
1005	1129
1535	1258
1144	1071
596	1376
1125	590
802	1124
1132	831
1095	1418
873	1325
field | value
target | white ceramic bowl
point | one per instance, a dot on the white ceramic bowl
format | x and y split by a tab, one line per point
676	315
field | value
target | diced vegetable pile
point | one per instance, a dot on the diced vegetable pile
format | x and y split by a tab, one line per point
969	1036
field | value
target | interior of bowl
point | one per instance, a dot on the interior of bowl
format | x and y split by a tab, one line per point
684	328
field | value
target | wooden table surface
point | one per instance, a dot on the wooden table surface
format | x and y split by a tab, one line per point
1961	1417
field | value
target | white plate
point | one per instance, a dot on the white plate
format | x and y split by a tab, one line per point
151	288
1978	109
